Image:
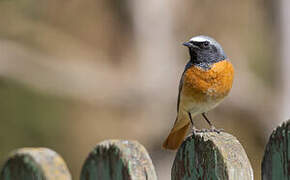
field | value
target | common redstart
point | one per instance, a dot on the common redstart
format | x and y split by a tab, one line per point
206	81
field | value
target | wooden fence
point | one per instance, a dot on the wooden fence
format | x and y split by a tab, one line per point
201	156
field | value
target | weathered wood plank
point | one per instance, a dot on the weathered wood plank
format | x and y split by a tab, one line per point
211	156
118	160
36	164
276	161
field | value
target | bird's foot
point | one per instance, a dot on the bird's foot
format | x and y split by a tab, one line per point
212	129
195	130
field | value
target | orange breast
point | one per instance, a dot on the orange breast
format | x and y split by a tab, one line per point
214	84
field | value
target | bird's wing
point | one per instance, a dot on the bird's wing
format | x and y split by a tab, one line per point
179	91
188	65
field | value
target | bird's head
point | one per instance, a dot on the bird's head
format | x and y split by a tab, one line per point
205	51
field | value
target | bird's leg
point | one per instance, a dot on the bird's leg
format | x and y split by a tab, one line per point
207	120
212	128
193	128
190	118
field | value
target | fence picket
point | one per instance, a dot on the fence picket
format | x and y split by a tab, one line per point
118	160
276	161
211	156
35	164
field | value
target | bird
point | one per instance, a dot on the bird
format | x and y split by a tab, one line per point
205	82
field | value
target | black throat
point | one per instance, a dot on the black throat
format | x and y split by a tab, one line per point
205	60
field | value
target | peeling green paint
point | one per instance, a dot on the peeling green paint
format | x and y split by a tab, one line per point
276	161
21	167
105	163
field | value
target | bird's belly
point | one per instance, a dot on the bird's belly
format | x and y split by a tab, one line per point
196	107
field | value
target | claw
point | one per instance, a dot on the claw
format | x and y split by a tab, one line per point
213	129
194	130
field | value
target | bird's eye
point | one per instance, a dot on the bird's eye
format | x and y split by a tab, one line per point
205	44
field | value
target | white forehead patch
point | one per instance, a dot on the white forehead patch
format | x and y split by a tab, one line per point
199	39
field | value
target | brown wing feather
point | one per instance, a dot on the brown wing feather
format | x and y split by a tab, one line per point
187	66
175	138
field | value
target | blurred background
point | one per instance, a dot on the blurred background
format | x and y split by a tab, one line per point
76	72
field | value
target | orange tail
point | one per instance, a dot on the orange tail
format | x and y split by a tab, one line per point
176	137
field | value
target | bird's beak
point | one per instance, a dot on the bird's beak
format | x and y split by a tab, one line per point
188	44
